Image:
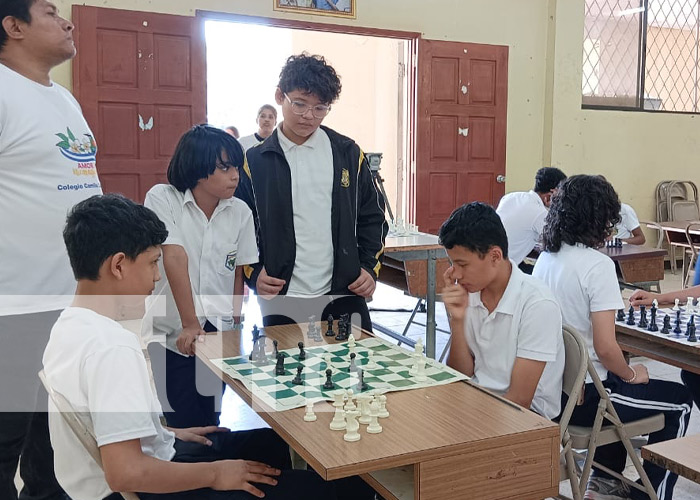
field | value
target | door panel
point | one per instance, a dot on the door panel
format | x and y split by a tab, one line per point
140	79
460	127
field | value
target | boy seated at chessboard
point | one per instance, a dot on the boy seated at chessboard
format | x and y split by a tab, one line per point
506	325
644	298
114	246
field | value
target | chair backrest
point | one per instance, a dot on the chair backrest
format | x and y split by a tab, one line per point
80	424
575	368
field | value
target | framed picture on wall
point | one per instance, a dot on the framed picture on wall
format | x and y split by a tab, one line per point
338	8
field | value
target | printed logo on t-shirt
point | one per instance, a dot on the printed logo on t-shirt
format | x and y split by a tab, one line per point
345	178
82	151
231	261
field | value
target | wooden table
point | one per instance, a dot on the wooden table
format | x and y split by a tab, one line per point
681	456
637	266
447	442
659	348
415	264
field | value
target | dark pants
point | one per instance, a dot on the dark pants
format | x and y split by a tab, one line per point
692	382
283	310
189	392
634	402
24	431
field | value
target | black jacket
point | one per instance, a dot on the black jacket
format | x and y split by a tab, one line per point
357	212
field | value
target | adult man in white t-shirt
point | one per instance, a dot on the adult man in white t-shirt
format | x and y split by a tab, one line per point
523	214
506	325
47	165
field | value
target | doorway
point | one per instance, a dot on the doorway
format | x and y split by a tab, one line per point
243	62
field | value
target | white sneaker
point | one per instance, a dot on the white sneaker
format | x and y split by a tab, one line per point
599	488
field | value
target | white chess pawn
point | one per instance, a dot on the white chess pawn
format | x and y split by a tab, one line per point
420	370
310	416
351	343
418	349
655	303
689	305
371	363
338	397
364	401
327	359
350	405
338	422
374	427
676	306
383	412
352	427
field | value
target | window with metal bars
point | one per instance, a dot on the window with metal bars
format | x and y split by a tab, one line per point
642	55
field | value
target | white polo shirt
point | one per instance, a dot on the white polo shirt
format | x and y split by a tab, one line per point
628	223
584	281
47	165
214	248
526	323
522	214
98	366
311	167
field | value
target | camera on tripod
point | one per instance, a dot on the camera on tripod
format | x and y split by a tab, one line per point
374	160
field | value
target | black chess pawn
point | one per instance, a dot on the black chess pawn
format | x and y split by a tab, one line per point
302	352
691	334
652	322
328	384
279	367
666	328
353	366
297	379
690	325
630	316
361	384
341	331
275	352
642	317
677	327
620	315
329	326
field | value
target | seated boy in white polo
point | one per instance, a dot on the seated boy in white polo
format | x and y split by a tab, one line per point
98	366
506	325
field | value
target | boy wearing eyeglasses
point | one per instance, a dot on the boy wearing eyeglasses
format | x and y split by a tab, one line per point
319	217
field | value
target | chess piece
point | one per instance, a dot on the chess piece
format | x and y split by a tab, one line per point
666	328
327	359
309	416
383	412
338	422
691	335
302	353
329	326
279	367
361	384
364	400
351	343
677	326
689	305
630	316
338	399
275	351
297	379
676	305
374	426
353	367
420	370
350	405
371	363
652	322
642	317
352	426
256	333
620	315
328	384
690	325
418	348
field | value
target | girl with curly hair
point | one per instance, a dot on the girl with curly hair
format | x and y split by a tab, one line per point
582	216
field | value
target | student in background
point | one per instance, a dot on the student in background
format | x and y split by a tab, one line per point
266	120
505	325
582	216
211	235
523	214
99	367
628	229
47	165
232	131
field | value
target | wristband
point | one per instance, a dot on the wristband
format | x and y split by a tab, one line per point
634	376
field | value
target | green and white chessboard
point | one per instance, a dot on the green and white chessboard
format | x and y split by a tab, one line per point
278	392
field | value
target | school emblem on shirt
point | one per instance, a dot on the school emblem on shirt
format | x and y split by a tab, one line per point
345	178
79	150
231	261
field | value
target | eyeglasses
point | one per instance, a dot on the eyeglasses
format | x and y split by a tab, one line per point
300	108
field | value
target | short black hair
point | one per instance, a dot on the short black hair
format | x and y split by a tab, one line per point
585	209
197	154
475	226
104	225
311	74
14	8
548	178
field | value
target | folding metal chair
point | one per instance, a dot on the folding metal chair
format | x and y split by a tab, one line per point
692	254
574	437
81	426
